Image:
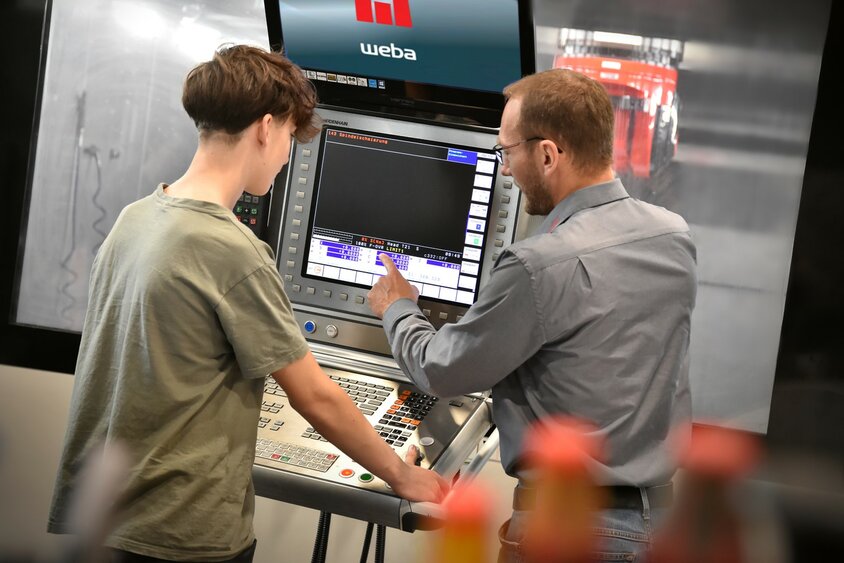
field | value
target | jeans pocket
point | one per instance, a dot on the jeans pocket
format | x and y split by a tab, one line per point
619	545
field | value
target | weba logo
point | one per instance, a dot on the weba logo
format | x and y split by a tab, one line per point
390	51
383	14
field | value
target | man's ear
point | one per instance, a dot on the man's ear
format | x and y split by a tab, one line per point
552	158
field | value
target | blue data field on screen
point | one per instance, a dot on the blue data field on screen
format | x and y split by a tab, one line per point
464	157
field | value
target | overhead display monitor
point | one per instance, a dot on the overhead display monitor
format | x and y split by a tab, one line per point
427	55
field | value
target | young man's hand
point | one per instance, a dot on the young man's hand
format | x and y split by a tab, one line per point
417	484
389	289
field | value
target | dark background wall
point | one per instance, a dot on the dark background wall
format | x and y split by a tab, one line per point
807	410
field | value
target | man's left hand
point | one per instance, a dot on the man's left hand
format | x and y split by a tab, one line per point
389	289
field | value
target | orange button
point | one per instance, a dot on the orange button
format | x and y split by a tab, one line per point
391	411
346	473
415	422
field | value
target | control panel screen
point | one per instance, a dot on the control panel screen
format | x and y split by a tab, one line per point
424	203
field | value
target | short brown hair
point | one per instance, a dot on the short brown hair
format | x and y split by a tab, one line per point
241	84
570	109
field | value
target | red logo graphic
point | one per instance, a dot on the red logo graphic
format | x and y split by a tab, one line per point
384	12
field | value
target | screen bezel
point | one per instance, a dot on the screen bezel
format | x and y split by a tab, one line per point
303	267
409	98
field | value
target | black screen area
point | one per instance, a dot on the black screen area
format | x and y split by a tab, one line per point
395	196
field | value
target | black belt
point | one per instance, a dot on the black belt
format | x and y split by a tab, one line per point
660	496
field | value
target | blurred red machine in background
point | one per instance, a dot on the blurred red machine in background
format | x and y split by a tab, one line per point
640	75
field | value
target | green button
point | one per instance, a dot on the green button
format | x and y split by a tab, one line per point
366	477
238	209
254	211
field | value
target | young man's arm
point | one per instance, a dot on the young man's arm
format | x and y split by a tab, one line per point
333	414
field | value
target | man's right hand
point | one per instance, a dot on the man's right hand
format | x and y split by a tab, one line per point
417	484
389	289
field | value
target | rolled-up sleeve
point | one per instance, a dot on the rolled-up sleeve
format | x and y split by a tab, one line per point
496	335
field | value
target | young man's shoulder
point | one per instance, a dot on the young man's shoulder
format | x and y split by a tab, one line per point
189	229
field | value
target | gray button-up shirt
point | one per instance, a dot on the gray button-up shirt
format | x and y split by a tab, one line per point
588	318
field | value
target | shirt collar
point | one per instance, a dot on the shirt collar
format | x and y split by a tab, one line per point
590	196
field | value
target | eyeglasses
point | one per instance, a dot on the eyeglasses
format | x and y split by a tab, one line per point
499	149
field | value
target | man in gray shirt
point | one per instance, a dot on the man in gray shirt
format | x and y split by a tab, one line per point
589	317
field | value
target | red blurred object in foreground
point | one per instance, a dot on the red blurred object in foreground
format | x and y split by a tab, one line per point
721	452
705	525
561	444
559	528
463	539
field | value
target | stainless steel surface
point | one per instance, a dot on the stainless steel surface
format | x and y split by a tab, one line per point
111	128
747	86
485	452
353	332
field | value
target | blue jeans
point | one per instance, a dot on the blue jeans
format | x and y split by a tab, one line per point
620	535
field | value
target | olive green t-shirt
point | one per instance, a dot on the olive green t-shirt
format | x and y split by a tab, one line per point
186	316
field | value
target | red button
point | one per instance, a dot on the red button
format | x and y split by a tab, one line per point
346	473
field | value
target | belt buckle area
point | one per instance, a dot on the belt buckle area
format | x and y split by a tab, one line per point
614	497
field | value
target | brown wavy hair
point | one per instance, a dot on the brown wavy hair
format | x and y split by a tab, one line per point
570	109
241	84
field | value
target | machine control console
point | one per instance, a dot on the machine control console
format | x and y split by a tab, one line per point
400	413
